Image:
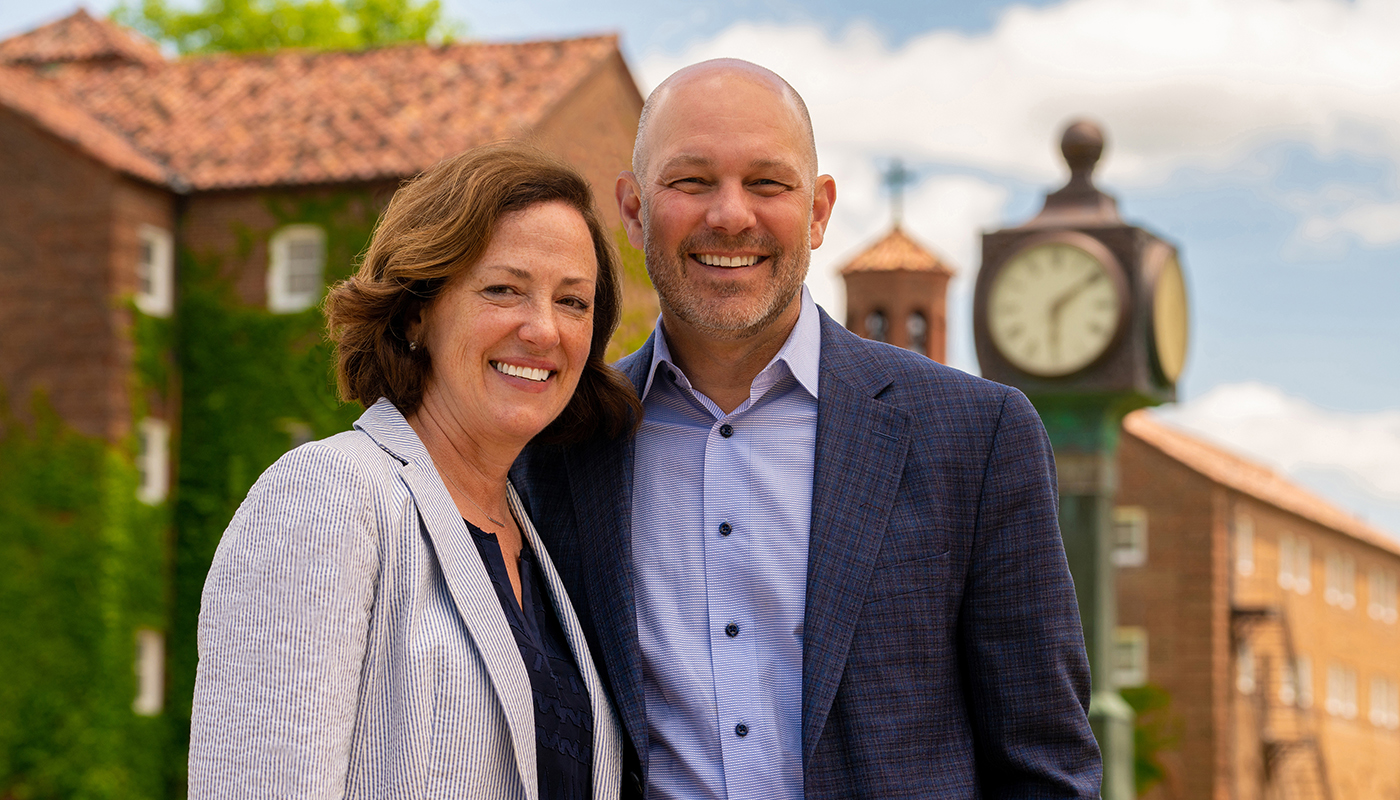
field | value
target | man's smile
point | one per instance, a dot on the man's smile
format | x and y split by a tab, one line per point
727	261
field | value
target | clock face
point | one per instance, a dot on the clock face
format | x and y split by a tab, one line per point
1169	319
1054	308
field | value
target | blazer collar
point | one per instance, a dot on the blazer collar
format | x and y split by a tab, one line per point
861	446
465	575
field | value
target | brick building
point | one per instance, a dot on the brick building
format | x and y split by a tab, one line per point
167	229
1268	616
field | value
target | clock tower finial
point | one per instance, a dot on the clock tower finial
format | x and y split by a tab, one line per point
1079	202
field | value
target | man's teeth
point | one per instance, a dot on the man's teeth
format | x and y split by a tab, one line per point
726	261
528	373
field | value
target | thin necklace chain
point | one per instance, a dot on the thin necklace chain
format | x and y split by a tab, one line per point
473	502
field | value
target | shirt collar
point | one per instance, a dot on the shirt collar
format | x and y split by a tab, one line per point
800	354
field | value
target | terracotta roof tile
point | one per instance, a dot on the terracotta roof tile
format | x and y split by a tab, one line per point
1249	478
897	251
79	37
306	117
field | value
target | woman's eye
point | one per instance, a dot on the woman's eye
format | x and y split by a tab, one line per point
575	302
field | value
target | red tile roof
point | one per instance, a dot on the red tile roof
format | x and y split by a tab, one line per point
897	251
79	37
1252	479
295	116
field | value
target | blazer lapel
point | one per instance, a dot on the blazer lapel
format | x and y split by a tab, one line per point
466	578
600	479
861	446
606	760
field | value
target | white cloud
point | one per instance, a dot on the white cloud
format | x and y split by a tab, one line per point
1303	441
1376	224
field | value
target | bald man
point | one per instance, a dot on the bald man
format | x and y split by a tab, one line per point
823	567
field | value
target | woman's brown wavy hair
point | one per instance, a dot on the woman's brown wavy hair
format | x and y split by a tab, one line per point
436	228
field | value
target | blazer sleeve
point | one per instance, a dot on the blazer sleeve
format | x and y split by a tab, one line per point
283	627
1022	641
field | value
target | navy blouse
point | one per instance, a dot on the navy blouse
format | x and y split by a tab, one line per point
563	714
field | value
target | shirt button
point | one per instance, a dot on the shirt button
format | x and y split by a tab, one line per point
741	730
725	529
732	630
726	430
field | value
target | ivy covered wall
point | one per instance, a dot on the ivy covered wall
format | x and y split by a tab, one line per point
86	565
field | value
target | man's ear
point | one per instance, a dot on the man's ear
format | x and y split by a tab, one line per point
629	205
823	198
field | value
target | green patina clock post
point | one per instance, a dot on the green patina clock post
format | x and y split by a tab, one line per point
1087	316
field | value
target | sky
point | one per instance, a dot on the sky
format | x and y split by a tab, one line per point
1262	137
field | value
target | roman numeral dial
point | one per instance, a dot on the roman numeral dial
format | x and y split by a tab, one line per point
1055	307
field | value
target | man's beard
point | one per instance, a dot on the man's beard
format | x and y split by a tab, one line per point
719	309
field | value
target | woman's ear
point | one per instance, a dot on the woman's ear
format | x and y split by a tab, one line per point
413	327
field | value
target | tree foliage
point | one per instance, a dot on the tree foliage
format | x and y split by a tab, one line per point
244	26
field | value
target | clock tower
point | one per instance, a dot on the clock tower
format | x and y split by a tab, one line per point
1086	315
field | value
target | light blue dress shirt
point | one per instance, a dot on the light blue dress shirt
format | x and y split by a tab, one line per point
721	515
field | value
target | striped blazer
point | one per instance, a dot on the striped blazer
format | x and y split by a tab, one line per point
351	643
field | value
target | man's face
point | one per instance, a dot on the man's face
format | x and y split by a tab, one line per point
729	207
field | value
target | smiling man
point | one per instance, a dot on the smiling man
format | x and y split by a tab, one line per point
824	567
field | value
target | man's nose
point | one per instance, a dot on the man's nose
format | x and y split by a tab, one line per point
731	211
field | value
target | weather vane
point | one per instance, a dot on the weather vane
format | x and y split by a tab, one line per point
896	178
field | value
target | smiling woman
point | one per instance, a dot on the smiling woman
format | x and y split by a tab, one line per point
381	618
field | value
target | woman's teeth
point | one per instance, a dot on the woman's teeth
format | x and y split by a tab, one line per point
528	373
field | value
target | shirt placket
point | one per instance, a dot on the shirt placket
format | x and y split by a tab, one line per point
742	727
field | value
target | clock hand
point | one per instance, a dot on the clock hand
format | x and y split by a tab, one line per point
1073	292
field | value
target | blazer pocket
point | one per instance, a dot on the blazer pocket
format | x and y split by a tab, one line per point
907	577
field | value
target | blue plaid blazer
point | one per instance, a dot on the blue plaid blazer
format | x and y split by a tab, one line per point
943	655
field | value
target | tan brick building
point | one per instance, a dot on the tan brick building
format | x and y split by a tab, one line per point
1267	614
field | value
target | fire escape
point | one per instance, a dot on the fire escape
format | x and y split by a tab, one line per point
1293	765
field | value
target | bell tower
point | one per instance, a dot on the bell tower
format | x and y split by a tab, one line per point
897	290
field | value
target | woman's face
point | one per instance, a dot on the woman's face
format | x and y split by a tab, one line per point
508	339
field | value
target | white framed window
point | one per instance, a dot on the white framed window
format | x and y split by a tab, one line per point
1341	580
1244	667
153	460
1341	691
155	271
1295	684
1244	544
1130	656
296	268
1385	703
1382	591
1129	536
150	673
1294	563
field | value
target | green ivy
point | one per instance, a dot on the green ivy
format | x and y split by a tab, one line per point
1155	731
85	568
